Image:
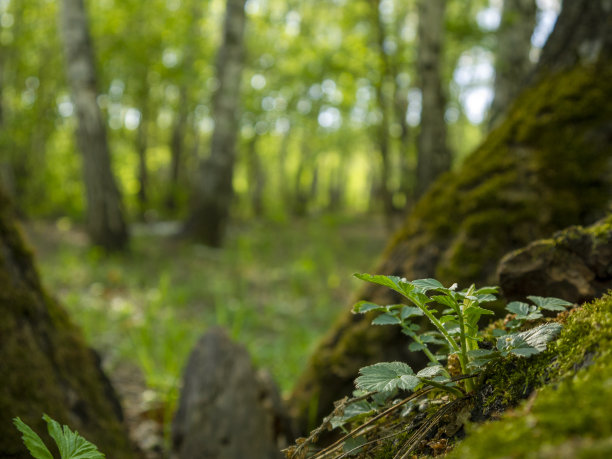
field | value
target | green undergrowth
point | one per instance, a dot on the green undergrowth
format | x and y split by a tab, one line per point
570	415
555	403
276	287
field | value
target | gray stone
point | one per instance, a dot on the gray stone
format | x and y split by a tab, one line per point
227	410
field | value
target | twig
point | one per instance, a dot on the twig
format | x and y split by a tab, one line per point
353	432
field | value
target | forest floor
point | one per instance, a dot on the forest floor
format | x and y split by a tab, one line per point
276	287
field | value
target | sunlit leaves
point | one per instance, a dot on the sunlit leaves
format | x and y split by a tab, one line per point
387	376
550	304
456	330
33	442
70	444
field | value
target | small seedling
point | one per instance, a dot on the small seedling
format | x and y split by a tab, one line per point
70	444
454	316
526	312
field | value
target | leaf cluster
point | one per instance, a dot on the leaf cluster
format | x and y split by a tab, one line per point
454	315
70	444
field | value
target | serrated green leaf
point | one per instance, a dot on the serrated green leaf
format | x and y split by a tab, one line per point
386	376
393	282
415	347
539	337
447	301
480	357
486	290
418	298
70	444
499	332
380	399
526	351
352	446
386	319
365	306
485	297
352	412
410	311
432	338
478	310
452	327
427	284
447	318
550	304
433	372
32	441
534	316
519	308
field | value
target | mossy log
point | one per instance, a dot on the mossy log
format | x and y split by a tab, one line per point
567	412
574	264
547	166
46	366
553	404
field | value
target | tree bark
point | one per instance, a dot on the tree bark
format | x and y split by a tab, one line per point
44	362
214	191
142	142
582	34
256	177
512	64
188	78
547	166
105	216
177	144
382	134
434	157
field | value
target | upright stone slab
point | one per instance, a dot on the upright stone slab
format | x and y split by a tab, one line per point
227	410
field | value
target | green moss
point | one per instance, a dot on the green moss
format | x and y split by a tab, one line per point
570	416
44	362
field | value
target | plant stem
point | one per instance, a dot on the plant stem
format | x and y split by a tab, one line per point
418	340
463	358
452	390
440	327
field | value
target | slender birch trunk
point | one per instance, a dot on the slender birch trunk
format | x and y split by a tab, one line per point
105	220
214	191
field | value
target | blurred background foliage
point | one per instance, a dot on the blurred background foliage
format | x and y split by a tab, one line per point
324	83
310	110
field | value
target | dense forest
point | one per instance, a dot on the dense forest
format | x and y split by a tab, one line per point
187	187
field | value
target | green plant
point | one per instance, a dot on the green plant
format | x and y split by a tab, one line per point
70	444
526	312
454	316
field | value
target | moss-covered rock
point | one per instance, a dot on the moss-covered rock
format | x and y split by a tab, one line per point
546	167
570	415
554	404
45	364
575	264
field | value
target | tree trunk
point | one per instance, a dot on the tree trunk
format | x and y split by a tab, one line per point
105	218
256	177
547	166
434	157
45	365
512	64
214	192
141	148
188	78
382	134
176	148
